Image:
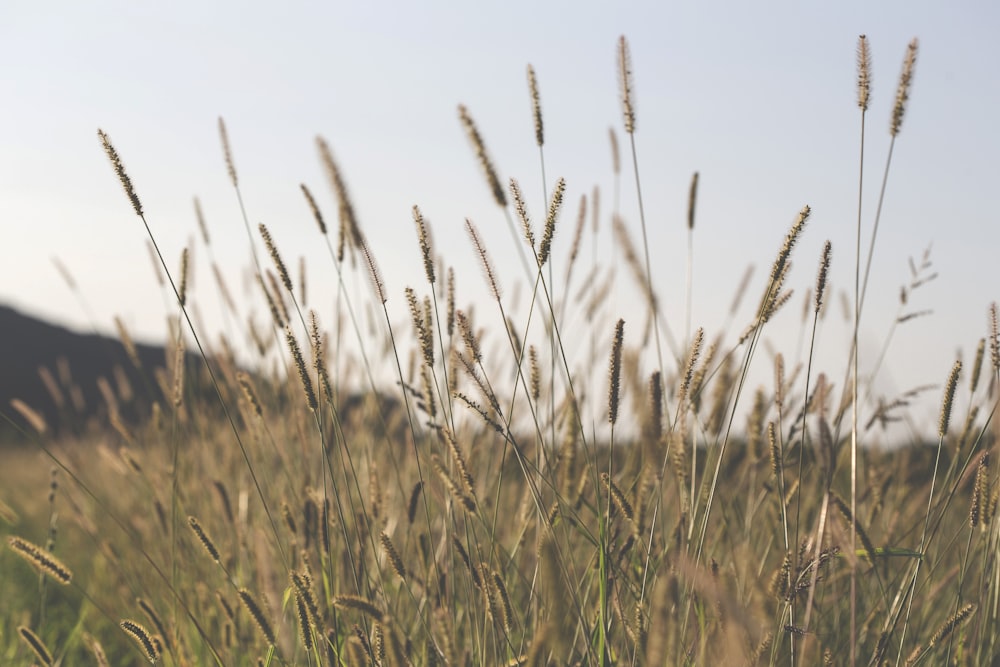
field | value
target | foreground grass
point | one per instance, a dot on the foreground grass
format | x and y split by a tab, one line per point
310	514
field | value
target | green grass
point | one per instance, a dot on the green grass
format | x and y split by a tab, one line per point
470	512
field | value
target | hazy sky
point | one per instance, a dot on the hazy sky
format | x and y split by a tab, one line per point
758	97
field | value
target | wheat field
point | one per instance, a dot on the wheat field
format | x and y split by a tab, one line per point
497	500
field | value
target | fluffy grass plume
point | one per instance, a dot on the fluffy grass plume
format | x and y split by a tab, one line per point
40	559
454	479
142	638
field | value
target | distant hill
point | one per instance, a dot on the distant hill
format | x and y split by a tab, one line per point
59	374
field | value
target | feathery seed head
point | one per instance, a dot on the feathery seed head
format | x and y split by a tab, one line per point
36	644
201	221
954	621
627	84
994	337
424	239
249	394
484	258
373	271
205	540
616	372
390	551
581	221
864	72
119	168
692	199
534	373
903	91
41	559
774	449
545	248
616	160
349	228
692	361
949	397
279	264
277	313
230	165
300	365
977	365
536	107
319	356
484	159
451	302
778	270
522	212
314	208
142	638
824	267
360	604
246	597
980	490
656	406
182	291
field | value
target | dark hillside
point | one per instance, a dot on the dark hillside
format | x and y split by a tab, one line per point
58	373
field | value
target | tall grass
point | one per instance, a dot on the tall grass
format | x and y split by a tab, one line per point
472	510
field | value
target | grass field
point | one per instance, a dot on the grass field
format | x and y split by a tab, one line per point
469	512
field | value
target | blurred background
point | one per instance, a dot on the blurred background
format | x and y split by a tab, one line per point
760	101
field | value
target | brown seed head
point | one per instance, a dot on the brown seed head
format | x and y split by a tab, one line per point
41	559
692	199
142	638
119	168
616	372
778	270
314	208
980	490
451	302
358	603
994	337
536	107
279	264
977	365
616	160
205	540
627	84
390	552
182	291
484	259
949	397
522	212
581	221
36	644
484	159
230	165
201	221
550	222
824	267
954	621
903	91
864	73
373	271
300	365
424	239
348	222
246	597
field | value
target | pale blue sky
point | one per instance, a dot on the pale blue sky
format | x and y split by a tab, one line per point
758	97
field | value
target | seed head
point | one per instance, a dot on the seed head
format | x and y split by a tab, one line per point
903	91
864	72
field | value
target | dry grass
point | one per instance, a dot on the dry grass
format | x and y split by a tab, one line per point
471	511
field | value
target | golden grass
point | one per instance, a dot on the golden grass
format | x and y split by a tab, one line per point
501	500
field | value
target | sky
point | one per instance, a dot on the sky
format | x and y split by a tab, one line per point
759	98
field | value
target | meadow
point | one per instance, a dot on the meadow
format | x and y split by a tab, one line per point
291	507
